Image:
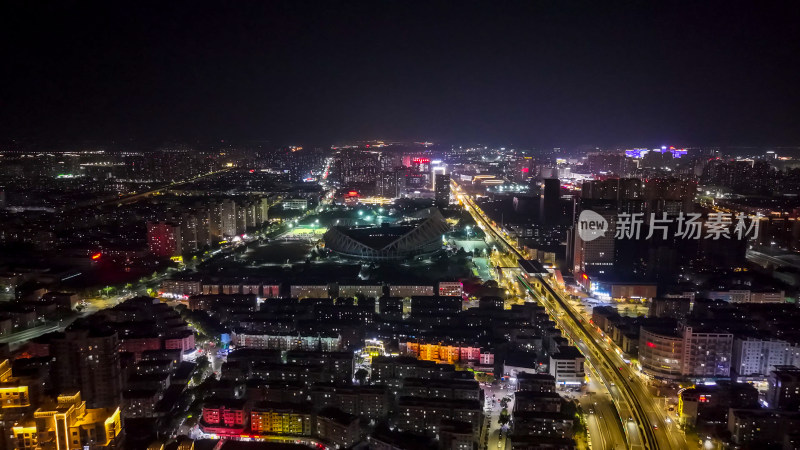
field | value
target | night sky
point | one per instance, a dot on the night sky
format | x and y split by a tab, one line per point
533	73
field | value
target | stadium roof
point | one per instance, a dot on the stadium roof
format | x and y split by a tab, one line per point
420	236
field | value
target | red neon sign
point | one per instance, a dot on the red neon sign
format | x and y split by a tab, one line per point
421	160
525	170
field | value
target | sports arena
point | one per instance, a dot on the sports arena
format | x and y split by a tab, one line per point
419	234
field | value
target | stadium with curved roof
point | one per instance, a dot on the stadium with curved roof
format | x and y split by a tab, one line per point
419	236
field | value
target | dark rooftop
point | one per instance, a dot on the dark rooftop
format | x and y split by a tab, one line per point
337	415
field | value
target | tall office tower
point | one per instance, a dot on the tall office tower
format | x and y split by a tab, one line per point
87	359
550	211
595	257
164	239
436	167
442	189
228	218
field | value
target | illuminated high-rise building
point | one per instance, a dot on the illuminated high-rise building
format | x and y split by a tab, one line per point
194	231
87	360
669	195
228	220
19	398
355	166
250	215
442	189
241	218
388	184
595	257
68	424
262	211
164	239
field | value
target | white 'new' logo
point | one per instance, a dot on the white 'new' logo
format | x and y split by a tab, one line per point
591	225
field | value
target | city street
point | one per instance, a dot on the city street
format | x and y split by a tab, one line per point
16	339
493	394
19	337
646	426
602	421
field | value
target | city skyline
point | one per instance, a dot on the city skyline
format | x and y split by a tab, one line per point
347	225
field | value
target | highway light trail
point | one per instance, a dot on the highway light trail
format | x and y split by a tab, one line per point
602	362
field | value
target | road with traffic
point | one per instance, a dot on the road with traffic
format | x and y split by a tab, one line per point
494	434
602	419
18	338
130	198
644	422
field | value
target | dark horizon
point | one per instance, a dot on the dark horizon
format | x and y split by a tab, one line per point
534	75
59	145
